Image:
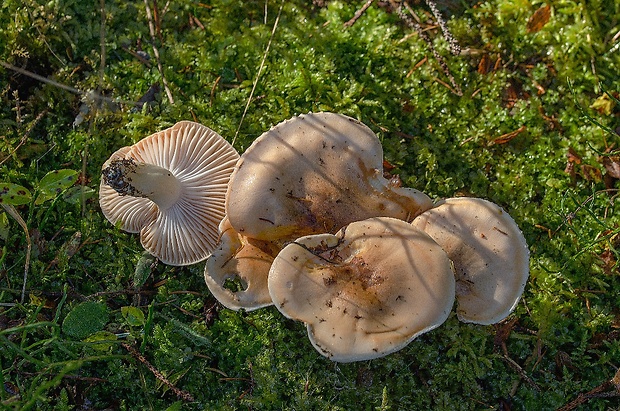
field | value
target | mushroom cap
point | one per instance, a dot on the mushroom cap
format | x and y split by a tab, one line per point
186	232
312	174
247	261
366	291
489	252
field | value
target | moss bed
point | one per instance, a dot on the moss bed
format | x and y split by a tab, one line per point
100	325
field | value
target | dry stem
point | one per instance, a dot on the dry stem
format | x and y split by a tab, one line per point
13	212
609	388
149	16
182	394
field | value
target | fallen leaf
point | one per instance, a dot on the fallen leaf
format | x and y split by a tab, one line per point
484	66
612	165
539	19
387	166
505	138
573	157
604	104
513	93
590	173
609	262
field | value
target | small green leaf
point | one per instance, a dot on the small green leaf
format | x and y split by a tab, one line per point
85	319
36	300
177	406
603	104
133	315
102	340
4	226
143	269
54	183
73	195
14	194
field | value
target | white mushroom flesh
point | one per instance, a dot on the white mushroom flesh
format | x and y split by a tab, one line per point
236	272
130	213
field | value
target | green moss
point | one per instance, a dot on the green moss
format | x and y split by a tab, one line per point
564	336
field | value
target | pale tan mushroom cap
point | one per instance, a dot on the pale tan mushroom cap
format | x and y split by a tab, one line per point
202	161
366	291
314	174
245	264
490	256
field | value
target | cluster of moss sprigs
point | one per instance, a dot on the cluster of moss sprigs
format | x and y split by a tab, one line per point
528	71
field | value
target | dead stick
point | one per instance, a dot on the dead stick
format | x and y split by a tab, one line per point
86	94
521	372
454	45
358	13
600	391
184	395
149	17
408	19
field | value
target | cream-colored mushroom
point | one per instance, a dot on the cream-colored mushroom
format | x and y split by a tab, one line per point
236	272
489	252
314	174
170	187
366	291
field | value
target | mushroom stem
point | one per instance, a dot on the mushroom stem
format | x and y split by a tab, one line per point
129	177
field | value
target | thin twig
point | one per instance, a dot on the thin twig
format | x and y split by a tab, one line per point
149	16
408	19
260	69
454	46
90	94
609	388
521	372
117	293
102	43
358	13
24	138
66	376
182	394
13	212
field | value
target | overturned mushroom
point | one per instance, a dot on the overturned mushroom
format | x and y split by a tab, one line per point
489	252
314	174
366	291
236	272
170	187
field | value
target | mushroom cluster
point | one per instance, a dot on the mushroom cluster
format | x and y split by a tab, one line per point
313	227
305	220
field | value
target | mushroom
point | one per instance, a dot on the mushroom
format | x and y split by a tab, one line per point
170	187
366	291
236	272
489	252
314	174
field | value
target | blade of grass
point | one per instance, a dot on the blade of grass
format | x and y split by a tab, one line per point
260	69
149	16
13	213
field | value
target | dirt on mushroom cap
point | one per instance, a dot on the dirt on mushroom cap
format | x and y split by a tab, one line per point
314	174
365	292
